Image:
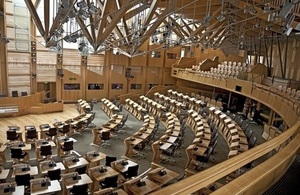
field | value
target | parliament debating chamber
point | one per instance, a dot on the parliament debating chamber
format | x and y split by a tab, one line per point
149	97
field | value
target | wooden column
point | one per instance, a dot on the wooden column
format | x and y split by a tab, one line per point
3	53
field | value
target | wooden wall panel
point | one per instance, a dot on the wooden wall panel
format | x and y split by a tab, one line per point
93	77
117	78
172	51
9	7
167	79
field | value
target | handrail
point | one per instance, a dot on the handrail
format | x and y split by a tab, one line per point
210	175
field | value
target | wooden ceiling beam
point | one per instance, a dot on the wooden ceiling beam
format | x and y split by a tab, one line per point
85	31
35	18
92	26
104	12
46	17
60	17
118	15
132	13
202	27
152	11
153	27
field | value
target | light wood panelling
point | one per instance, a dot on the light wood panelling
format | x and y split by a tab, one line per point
9	7
69	111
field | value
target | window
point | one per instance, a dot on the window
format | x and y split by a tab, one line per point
136	86
72	86
95	86
22	29
116	86
171	55
155	54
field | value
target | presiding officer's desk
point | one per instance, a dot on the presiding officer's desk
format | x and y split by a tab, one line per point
44	186
70	179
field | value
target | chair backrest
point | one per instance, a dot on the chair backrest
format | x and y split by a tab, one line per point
68	145
81	189
32	133
81	170
132	171
16	152
252	142
281	127
23	180
105	135
111	181
46	150
249	133
109	159
54	174
52	131
11	135
66	128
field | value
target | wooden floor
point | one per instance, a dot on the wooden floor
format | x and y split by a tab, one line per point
70	111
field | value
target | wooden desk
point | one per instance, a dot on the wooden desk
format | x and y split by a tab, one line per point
60	142
162	175
107	191
94	158
140	190
2	154
33	171
44	167
97	174
140	135
18	190
52	188
17	144
71	165
201	142
122	165
3	174
68	183
165	146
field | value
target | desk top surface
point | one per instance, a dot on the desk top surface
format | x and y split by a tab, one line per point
4	173
97	175
149	187
85	179
169	175
54	187
92	158
45	169
71	164
33	171
120	167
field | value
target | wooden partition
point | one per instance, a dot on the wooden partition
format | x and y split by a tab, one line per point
31	104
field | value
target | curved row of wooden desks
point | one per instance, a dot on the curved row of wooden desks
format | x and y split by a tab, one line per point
261	180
